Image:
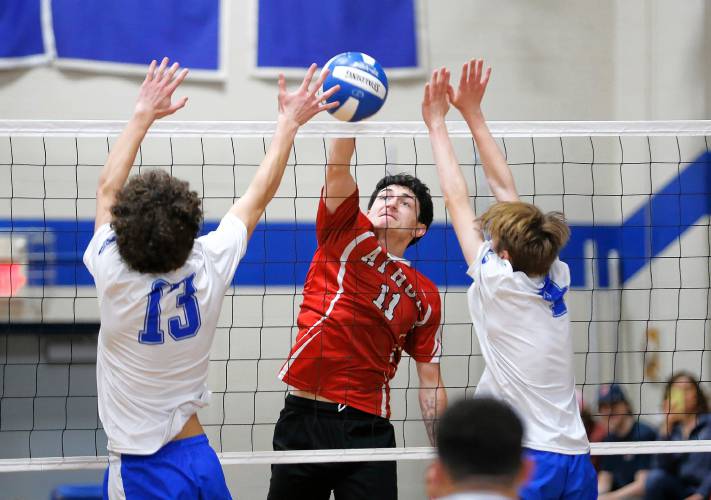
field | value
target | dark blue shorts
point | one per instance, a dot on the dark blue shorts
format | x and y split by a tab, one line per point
559	476
183	469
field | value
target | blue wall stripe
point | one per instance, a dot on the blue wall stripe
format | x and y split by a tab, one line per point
279	252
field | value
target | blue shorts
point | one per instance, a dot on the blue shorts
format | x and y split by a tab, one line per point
183	469
558	476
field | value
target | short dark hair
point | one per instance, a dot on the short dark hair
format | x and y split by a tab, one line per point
419	189
156	219
480	439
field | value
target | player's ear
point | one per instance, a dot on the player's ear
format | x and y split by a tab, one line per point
504	254
419	230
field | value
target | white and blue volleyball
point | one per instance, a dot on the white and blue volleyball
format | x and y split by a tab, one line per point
364	85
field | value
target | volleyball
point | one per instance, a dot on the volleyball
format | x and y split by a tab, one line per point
364	85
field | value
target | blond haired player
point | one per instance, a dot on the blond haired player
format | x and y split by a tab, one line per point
517	299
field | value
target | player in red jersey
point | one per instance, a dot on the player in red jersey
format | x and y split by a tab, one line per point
363	305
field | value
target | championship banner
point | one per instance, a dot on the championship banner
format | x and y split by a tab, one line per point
292	34
22	41
123	37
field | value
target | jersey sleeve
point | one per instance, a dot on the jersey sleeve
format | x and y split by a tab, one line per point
225	246
97	249
489	271
330	227
424	342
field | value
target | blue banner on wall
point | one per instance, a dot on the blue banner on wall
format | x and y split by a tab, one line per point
21	38
115	36
296	33
137	31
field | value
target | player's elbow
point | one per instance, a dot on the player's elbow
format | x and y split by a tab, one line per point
104	190
455	198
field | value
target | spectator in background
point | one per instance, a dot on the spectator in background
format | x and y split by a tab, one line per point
621	476
682	475
479	452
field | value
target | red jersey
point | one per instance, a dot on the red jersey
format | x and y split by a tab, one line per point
361	308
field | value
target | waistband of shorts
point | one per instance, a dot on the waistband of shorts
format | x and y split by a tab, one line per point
174	446
328	409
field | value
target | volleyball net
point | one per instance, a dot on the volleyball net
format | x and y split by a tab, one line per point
637	196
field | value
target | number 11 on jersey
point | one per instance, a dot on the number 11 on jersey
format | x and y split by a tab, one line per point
177	328
389	308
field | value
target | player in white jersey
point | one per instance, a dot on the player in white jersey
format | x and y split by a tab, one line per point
517	297
160	291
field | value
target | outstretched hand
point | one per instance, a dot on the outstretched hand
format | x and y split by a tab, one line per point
155	97
472	85
435	103
304	103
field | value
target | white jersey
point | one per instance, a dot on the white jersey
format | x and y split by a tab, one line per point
524	333
156	334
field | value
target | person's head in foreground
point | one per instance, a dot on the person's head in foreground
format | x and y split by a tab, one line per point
529	239
478	449
402	205
612	405
156	218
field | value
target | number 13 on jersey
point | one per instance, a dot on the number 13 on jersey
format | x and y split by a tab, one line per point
177	328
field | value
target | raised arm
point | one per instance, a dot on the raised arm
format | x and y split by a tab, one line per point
435	105
340	184
467	99
295	109
154	101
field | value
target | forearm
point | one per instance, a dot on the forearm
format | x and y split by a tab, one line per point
456	195
433	403
339	182
270	172
451	179
118	165
604	481
497	171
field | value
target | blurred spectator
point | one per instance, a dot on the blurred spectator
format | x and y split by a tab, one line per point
621	476
682	475
479	452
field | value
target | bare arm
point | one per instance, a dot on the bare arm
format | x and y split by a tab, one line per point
340	184
604	481
154	101
635	489
467	99
295	109
433	396
454	188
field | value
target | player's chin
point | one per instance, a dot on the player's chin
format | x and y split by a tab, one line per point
386	224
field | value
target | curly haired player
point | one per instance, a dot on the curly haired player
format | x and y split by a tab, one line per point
160	291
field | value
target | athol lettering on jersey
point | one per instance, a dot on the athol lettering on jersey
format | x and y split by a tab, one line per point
398	277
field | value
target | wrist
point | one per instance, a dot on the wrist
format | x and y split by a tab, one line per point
438	125
474	117
288	124
143	119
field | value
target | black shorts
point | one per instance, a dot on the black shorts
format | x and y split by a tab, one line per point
305	424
